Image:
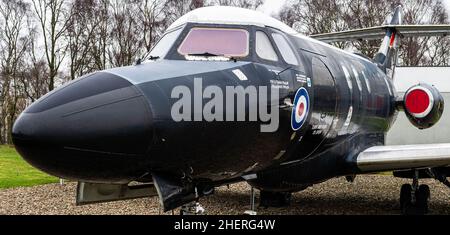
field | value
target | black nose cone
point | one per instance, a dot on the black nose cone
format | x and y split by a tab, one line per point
98	128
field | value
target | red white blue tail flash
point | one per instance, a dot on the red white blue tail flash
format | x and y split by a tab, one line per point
301	109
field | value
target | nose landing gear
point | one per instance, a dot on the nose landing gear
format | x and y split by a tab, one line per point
193	208
414	199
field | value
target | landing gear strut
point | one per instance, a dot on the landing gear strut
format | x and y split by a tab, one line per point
414	199
252	210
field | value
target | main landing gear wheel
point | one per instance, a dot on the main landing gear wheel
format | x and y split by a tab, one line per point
414	199
275	199
423	196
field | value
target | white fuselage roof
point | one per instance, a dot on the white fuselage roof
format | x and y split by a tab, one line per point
231	15
240	16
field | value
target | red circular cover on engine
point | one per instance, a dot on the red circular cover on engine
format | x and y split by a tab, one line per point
417	101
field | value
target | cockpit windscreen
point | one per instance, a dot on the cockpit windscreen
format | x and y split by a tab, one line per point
216	41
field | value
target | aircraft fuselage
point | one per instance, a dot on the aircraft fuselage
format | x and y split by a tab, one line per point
117	125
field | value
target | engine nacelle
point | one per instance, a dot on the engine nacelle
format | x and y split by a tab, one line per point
423	105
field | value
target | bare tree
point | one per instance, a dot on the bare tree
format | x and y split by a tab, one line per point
14	43
365	14
316	16
100	39
249	4
35	73
322	16
174	9
80	32
425	50
53	19
151	21
125	34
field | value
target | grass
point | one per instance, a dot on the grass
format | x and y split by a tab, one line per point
16	172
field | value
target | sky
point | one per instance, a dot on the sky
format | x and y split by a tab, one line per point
447	3
271	7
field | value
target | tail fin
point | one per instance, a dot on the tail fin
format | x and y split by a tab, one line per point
386	58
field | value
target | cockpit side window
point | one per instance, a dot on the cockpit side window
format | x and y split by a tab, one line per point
285	49
165	44
264	48
216	41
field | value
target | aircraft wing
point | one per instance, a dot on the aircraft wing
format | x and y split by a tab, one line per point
380	31
404	157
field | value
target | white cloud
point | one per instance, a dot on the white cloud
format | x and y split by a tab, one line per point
447	4
272	7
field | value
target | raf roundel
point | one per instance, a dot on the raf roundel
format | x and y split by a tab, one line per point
301	109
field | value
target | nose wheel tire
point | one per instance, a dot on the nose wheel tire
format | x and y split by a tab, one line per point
193	208
406	198
415	202
422	198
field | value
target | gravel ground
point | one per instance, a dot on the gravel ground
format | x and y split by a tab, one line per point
369	195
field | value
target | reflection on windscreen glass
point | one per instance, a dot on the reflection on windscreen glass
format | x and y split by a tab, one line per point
162	48
226	42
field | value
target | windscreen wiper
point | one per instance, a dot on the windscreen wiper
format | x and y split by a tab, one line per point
208	54
153	57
